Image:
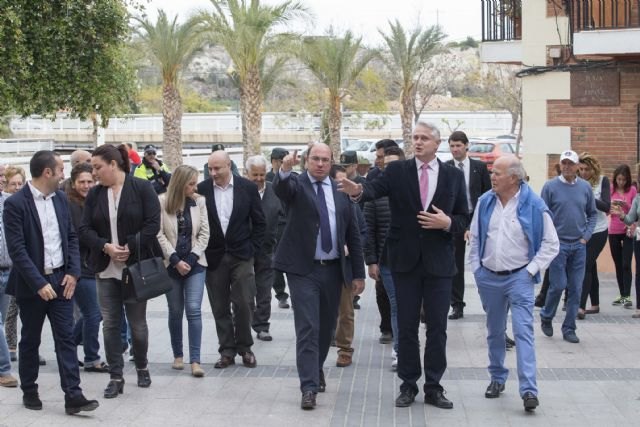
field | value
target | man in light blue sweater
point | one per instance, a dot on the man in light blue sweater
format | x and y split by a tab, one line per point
571	201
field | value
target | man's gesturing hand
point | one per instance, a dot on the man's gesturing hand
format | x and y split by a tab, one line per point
289	161
436	221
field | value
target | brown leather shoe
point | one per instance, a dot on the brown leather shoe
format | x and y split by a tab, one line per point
344	360
224	362
249	359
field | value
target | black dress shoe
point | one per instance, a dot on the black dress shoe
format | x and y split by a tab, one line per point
144	379
32	401
494	390
323	384
308	400
78	404
114	388
249	359
437	399
224	362
405	399
509	341
101	368
457	313
530	401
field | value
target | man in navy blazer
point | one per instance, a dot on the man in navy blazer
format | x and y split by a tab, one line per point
321	227
43	245
237	227
426	211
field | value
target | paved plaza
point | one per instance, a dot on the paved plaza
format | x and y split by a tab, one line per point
594	383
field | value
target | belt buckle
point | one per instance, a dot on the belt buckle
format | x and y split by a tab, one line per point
48	271
323	262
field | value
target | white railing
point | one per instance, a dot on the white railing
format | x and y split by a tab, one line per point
19	146
473	121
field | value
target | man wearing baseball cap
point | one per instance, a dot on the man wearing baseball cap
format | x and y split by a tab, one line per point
153	170
572	204
277	154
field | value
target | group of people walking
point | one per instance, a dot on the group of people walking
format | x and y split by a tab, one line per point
409	221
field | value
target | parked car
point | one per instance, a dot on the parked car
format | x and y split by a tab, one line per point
487	150
443	153
365	148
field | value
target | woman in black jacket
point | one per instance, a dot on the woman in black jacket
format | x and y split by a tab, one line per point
116	210
88	326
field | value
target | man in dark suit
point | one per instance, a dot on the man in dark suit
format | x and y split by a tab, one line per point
477	182
256	169
237	227
428	205
43	245
321	227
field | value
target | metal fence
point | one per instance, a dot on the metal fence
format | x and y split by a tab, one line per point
585	15
501	20
21	146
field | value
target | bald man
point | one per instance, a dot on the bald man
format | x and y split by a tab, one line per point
237	227
512	239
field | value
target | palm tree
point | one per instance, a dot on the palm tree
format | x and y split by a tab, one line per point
336	62
406	57
172	47
246	31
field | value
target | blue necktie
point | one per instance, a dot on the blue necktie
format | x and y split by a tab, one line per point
325	228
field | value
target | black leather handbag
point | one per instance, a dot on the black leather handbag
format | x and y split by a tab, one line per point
145	279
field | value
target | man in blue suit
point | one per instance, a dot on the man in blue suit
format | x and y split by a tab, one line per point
428	203
321	228
43	245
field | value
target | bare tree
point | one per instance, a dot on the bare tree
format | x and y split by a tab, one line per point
503	90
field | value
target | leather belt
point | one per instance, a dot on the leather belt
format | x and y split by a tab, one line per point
50	271
326	261
507	272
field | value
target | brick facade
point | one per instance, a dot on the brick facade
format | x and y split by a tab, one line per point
555	7
609	133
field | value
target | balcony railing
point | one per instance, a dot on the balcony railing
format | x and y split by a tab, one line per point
501	20
586	15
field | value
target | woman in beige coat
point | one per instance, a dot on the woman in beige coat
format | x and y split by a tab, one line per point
184	234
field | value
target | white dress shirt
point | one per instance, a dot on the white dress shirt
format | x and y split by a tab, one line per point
114	268
53	257
224	203
433	168
506	246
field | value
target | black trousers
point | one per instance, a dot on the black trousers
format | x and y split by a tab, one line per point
315	299
264	280
457	288
60	313
232	282
279	285
384	307
412	290
591	283
621	248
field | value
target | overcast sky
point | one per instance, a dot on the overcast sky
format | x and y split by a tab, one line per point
459	18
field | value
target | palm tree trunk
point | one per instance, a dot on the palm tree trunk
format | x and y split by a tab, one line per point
335	121
406	120
251	111
171	126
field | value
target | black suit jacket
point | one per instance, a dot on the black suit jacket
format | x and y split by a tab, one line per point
409	245
296	250
138	212
479	179
272	209
246	226
25	242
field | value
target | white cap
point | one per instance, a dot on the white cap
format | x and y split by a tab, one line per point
570	155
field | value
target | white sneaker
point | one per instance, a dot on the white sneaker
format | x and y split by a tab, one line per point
394	354
394	363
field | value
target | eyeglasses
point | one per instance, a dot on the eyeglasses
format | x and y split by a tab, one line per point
181	221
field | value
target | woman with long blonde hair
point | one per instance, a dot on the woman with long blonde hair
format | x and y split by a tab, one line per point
183	236
591	171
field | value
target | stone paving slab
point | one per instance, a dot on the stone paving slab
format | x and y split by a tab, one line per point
594	383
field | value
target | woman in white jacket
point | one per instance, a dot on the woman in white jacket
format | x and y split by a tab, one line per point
184	234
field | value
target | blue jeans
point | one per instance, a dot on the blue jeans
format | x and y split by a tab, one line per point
390	288
87	327
499	294
566	272
5	361
186	296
